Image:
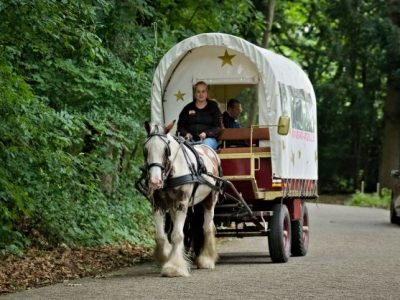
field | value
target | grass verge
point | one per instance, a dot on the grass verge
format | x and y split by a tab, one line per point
371	200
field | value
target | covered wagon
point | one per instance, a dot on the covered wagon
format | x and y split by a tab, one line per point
277	170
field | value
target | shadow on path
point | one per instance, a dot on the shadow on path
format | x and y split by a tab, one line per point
231	258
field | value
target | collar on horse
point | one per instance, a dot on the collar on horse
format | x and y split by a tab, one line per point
195	175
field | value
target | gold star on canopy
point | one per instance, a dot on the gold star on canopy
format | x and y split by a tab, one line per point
292	158
180	95
226	58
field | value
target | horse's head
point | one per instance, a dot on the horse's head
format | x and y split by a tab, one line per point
157	151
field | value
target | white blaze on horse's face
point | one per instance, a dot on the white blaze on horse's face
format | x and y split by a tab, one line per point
155	149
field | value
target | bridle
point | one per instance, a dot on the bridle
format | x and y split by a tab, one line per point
167	153
167	166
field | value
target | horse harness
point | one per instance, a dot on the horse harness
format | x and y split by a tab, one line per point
195	175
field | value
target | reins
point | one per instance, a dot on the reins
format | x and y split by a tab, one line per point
195	176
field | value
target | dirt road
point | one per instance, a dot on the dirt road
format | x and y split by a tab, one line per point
354	254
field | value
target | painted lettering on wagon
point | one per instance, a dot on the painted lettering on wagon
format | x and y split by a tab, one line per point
303	135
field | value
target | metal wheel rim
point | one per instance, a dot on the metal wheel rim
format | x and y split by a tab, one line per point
305	229
286	233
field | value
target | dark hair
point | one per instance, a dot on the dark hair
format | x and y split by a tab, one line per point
232	102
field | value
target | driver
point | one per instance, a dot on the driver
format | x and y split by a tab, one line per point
201	119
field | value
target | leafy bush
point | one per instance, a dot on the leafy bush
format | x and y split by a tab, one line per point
371	200
70	130
75	88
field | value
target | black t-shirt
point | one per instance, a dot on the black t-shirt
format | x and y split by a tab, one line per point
230	122
195	121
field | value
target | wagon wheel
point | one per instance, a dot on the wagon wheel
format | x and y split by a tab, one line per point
300	234
279	238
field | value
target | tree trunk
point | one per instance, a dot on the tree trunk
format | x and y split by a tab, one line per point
391	143
270	19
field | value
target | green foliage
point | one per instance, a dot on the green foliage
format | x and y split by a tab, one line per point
14	147
188	17
343	47
75	80
71	122
371	200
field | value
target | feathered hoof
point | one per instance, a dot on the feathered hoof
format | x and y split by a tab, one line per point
205	262
169	270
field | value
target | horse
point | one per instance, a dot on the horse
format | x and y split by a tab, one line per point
179	177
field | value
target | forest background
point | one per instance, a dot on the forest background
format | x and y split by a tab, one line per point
75	79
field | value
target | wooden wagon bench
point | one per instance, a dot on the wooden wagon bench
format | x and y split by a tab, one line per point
251	136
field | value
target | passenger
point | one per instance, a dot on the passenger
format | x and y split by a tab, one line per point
231	116
200	120
231	120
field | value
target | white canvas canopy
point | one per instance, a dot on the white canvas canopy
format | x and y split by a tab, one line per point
283	89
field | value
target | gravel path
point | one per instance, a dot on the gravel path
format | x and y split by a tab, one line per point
354	253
